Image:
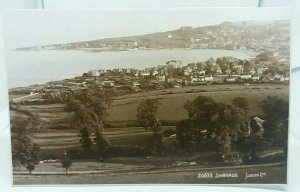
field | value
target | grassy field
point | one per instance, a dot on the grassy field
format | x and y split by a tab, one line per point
124	107
172	100
61	140
129	169
123	112
273	173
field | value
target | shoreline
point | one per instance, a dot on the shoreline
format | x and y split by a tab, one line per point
248	52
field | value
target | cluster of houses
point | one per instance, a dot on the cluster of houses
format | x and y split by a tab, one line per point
240	35
171	75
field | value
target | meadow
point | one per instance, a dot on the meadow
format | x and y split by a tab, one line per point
122	114
123	108
123	130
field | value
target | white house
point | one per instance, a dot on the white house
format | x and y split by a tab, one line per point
209	78
255	77
246	76
145	73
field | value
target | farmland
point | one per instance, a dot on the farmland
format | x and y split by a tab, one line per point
124	131
172	100
122	113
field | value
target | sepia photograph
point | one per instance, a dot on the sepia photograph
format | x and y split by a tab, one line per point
148	96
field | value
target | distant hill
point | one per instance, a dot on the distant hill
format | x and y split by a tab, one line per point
227	35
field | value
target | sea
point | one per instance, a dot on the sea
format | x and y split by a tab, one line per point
37	67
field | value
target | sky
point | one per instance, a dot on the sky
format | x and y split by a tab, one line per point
42	27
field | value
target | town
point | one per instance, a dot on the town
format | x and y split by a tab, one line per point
246	35
174	74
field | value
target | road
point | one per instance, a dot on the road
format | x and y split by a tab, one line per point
25	97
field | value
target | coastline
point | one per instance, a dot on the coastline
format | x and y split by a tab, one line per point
247	52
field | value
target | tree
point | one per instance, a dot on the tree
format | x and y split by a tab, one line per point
229	126
30	166
178	73
223	64
247	67
146	113
155	144
102	145
209	69
250	146
276	112
90	108
66	163
216	126
85	140
184	133
85	122
24	151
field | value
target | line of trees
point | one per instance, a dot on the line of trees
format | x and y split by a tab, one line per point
90	108
221	128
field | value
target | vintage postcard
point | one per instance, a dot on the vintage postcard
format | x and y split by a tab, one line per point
156	96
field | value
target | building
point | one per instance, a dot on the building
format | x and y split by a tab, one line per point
208	78
94	73
174	63
246	76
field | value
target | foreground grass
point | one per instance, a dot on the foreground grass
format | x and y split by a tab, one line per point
273	173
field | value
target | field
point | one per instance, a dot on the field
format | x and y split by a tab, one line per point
122	113
125	132
136	136
124	107
172	100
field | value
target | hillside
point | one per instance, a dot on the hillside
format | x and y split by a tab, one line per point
227	35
